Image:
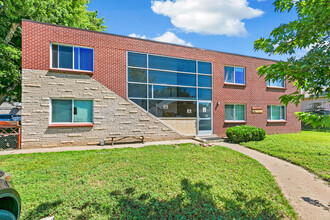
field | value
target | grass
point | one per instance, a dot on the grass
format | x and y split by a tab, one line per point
308	149
157	182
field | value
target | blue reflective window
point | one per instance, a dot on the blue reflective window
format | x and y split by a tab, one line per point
83	58
137	59
229	74
204	94
204	81
170	78
234	75
204	67
137	75
137	90
65	57
276	83
171	92
167	63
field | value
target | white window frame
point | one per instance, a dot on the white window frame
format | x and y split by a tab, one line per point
270	86
233	83
234	104
72	103
58	58
281	113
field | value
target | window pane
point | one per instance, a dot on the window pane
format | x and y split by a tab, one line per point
83	111
276	112
137	90
86	59
229	74
229	112
239	75
170	78
137	75
275	83
204	81
205	94
165	108
137	60
269	112
240	112
204	110
54	56
62	111
204	67
141	102
283	113
167	63
168	92
205	125
65	56
76	58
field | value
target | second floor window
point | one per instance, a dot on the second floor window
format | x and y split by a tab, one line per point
276	83
234	75
72	57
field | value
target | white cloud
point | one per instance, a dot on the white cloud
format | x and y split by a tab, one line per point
138	36
218	17
170	37
167	37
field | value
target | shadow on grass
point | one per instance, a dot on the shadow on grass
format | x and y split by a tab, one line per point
44	209
195	201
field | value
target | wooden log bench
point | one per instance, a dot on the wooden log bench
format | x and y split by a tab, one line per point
114	139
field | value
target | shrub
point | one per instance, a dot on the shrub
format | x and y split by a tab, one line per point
245	133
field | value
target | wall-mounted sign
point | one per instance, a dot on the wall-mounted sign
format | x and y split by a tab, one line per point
189	111
256	110
165	106
204	109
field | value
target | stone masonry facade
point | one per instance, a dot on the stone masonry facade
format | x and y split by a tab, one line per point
113	115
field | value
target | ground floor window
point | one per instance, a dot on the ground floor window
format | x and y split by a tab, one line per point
276	112
71	111
235	112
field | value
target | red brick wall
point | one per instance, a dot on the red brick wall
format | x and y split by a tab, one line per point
110	69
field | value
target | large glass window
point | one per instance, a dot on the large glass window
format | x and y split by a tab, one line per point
182	79
72	111
234	112
276	112
153	80
164	108
72	57
276	83
234	75
174	64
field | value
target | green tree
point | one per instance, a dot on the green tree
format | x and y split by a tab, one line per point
72	13
310	31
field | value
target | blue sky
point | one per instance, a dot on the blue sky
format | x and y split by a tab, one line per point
223	25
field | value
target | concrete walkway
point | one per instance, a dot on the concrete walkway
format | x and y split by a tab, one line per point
310	197
80	148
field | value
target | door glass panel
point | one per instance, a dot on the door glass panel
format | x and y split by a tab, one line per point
205	125
205	110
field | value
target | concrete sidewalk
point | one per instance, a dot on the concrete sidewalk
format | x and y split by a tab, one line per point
309	196
80	148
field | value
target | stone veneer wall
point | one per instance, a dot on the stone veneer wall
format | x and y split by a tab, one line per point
113	115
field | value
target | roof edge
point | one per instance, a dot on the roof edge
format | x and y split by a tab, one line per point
117	35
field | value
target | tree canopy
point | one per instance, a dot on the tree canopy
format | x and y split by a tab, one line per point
310	32
72	13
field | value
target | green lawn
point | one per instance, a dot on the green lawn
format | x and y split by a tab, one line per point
157	182
308	149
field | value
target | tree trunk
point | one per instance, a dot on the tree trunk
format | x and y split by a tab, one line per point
11	32
3	97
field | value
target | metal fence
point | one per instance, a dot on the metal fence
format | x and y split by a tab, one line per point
10	135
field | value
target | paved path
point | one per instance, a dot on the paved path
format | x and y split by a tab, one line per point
79	148
310	197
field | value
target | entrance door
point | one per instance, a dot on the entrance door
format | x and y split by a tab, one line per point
204	126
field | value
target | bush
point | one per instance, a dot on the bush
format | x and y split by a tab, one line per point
245	133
